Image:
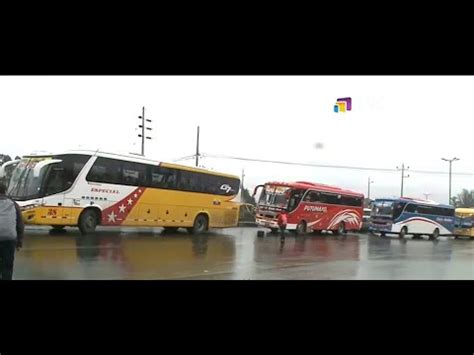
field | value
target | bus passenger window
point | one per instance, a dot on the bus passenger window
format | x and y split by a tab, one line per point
55	182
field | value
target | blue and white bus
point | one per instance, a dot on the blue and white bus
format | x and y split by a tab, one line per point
411	216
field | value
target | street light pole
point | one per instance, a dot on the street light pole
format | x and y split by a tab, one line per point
450	162
368	188
197	148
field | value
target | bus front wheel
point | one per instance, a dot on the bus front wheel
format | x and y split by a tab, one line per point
200	225
301	228
88	221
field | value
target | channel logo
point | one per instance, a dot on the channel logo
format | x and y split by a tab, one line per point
343	104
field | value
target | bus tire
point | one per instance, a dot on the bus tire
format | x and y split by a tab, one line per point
435	234
403	233
340	229
382	234
301	228
273	230
88	221
201	224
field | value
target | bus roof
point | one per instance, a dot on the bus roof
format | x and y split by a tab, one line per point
415	200
312	185
131	157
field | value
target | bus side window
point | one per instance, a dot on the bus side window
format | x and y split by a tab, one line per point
411	208
171	180
307	197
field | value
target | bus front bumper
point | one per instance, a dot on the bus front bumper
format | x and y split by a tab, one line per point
262	222
376	227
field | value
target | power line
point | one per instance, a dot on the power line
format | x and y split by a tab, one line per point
220	156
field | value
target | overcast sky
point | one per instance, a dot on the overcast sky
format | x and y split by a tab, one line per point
415	120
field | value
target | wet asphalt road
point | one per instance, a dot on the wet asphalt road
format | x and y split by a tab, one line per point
238	254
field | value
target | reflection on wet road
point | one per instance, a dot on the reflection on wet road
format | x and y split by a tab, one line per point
238	253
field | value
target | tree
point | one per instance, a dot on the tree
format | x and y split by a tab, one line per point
464	199
4	158
455	201
247	198
367	202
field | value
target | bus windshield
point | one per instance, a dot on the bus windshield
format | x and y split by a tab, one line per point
23	183
383	208
464	220
275	196
52	178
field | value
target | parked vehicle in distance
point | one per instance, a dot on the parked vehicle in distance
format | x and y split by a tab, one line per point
310	206
417	217
464	225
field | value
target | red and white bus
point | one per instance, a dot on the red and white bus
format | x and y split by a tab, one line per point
310	207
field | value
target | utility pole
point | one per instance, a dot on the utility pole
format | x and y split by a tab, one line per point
450	162
426	196
403	176
197	148
242	187
368	188
143	127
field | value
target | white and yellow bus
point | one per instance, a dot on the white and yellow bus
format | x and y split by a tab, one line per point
90	188
464	225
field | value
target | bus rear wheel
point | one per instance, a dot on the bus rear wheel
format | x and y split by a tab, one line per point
340	229
200	225
88	221
435	234
403	232
273	230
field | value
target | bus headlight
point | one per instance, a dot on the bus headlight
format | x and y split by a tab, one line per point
29	207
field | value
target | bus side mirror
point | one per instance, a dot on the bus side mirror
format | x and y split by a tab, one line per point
255	190
2	168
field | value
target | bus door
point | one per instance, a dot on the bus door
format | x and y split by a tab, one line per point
309	212
58	211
